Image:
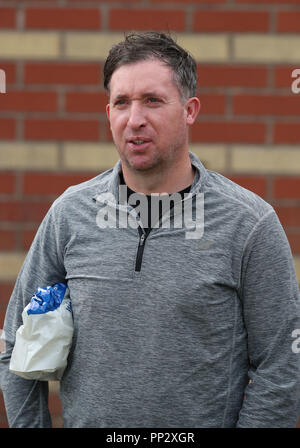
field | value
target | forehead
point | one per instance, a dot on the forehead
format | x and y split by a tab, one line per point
140	77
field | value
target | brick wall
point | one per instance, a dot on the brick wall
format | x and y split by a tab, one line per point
53	129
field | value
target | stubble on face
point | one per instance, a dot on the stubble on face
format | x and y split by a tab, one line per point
164	123
157	162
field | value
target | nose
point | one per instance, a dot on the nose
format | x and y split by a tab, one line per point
136	119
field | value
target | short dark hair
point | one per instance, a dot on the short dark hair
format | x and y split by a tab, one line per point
154	45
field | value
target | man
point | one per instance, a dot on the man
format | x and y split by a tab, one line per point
183	317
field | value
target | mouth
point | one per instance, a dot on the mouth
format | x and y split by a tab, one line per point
138	142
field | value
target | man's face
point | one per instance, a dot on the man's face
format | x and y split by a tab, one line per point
148	119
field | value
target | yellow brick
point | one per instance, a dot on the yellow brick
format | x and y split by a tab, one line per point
282	159
213	157
101	156
54	387
10	265
204	47
90	45
28	156
29	45
262	48
97	45
89	156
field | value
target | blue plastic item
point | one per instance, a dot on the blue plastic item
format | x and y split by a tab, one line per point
47	299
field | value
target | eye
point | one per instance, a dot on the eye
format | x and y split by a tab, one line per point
152	100
120	102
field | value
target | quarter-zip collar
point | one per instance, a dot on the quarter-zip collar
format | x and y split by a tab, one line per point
112	184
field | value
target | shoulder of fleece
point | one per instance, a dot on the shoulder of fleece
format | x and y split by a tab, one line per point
235	193
86	188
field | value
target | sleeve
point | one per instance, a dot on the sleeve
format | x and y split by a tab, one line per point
271	306
26	401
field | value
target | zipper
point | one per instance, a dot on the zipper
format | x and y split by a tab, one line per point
140	251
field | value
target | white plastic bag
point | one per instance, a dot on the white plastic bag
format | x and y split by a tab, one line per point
43	341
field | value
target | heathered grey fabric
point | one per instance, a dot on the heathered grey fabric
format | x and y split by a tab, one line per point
175	344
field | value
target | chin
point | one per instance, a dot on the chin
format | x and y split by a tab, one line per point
141	165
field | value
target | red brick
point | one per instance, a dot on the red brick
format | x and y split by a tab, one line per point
239	21
20	211
63	18
62	73
294	240
52	184
256	184
7	239
287	133
144	19
289	216
2	406
61	129
282	2
212	104
7	18
7	183
3	421
24	1
57	420
29	101
288	21
6	289
266	105
283	76
188	1
286	187
228	132
86	102
7	127
10	72
54	403
101	1
2	317
231	76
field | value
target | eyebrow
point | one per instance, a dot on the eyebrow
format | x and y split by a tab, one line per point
144	95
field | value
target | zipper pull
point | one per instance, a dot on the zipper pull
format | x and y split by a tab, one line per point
142	239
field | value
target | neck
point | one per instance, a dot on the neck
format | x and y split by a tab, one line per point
171	180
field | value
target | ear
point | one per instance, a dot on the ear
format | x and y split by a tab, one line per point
192	107
107	111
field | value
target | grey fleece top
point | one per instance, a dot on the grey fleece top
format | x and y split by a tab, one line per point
202	334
